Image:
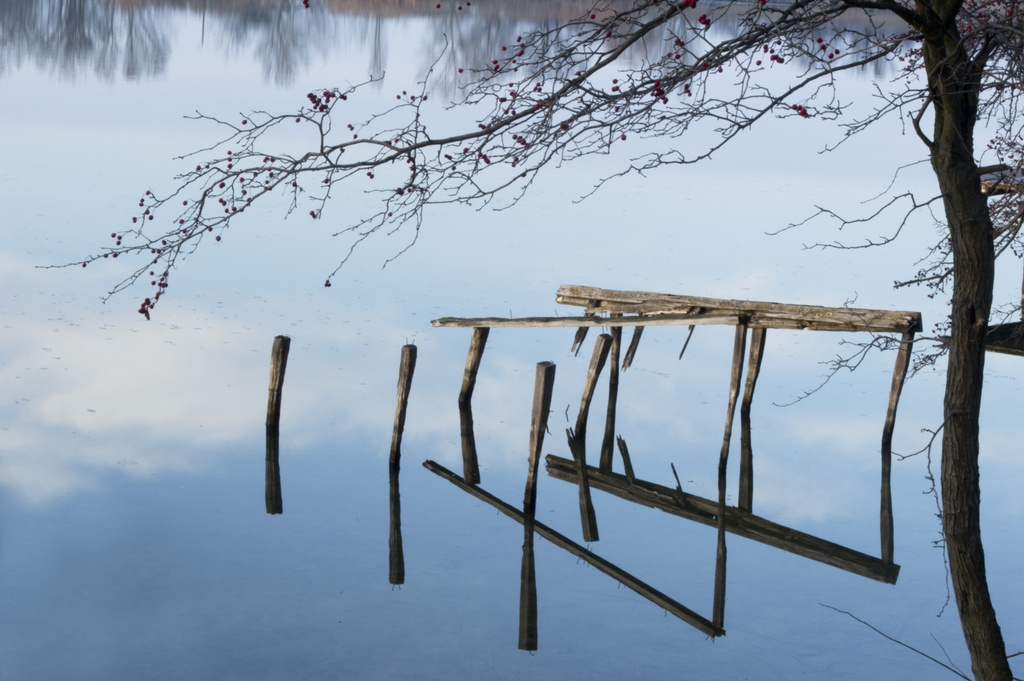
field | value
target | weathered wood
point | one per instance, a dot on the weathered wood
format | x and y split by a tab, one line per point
601	347
746	491
718	606
627	464
470	464
760	314
899	375
405	372
634	342
608	443
272	492
588	517
588	321
594	560
396	554
278	363
528	594
705	511
577	340
543	386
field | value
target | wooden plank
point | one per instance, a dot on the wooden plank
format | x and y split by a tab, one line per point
561	322
746	491
705	511
470	464
899	375
278	363
768	315
405	372
594	560
608	443
1006	338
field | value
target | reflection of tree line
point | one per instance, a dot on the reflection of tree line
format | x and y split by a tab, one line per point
131	39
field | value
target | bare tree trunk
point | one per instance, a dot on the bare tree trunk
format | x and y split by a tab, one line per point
954	88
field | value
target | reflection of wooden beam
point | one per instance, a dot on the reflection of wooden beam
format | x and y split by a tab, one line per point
738	522
634	342
528	595
273	475
563	542
746	492
899	374
768	315
470	466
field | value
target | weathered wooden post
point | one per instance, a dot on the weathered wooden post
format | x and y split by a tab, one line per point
470	465
396	554
278	363
578	437
746	496
899	375
608	443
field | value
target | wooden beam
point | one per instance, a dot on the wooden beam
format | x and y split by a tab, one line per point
278	363
705	511
591	558
761	314
727	319
543	386
608	443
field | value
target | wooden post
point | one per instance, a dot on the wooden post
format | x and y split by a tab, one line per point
608	443
627	361
470	464
746	496
542	389
405	371
273	473
899	374
278	362
601	347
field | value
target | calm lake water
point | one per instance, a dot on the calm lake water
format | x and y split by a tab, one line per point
134	537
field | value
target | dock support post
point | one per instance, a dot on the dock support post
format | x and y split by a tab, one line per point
470	464
746	495
899	375
608	443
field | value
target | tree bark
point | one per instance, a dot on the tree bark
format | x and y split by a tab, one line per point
953	83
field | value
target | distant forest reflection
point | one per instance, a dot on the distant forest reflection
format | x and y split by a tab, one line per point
132	39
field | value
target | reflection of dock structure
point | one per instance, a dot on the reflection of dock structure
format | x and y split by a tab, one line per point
618	309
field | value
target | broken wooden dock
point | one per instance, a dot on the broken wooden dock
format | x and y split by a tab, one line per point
752	320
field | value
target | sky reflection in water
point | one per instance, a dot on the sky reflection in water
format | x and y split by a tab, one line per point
133	538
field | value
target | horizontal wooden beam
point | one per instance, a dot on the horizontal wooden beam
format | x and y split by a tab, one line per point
760	314
660	320
650	593
738	522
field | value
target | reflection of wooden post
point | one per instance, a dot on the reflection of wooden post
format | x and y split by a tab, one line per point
578	437
396	555
528	593
278	362
588	518
626	463
899	374
470	466
405	371
746	497
273	482
739	346
608	444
